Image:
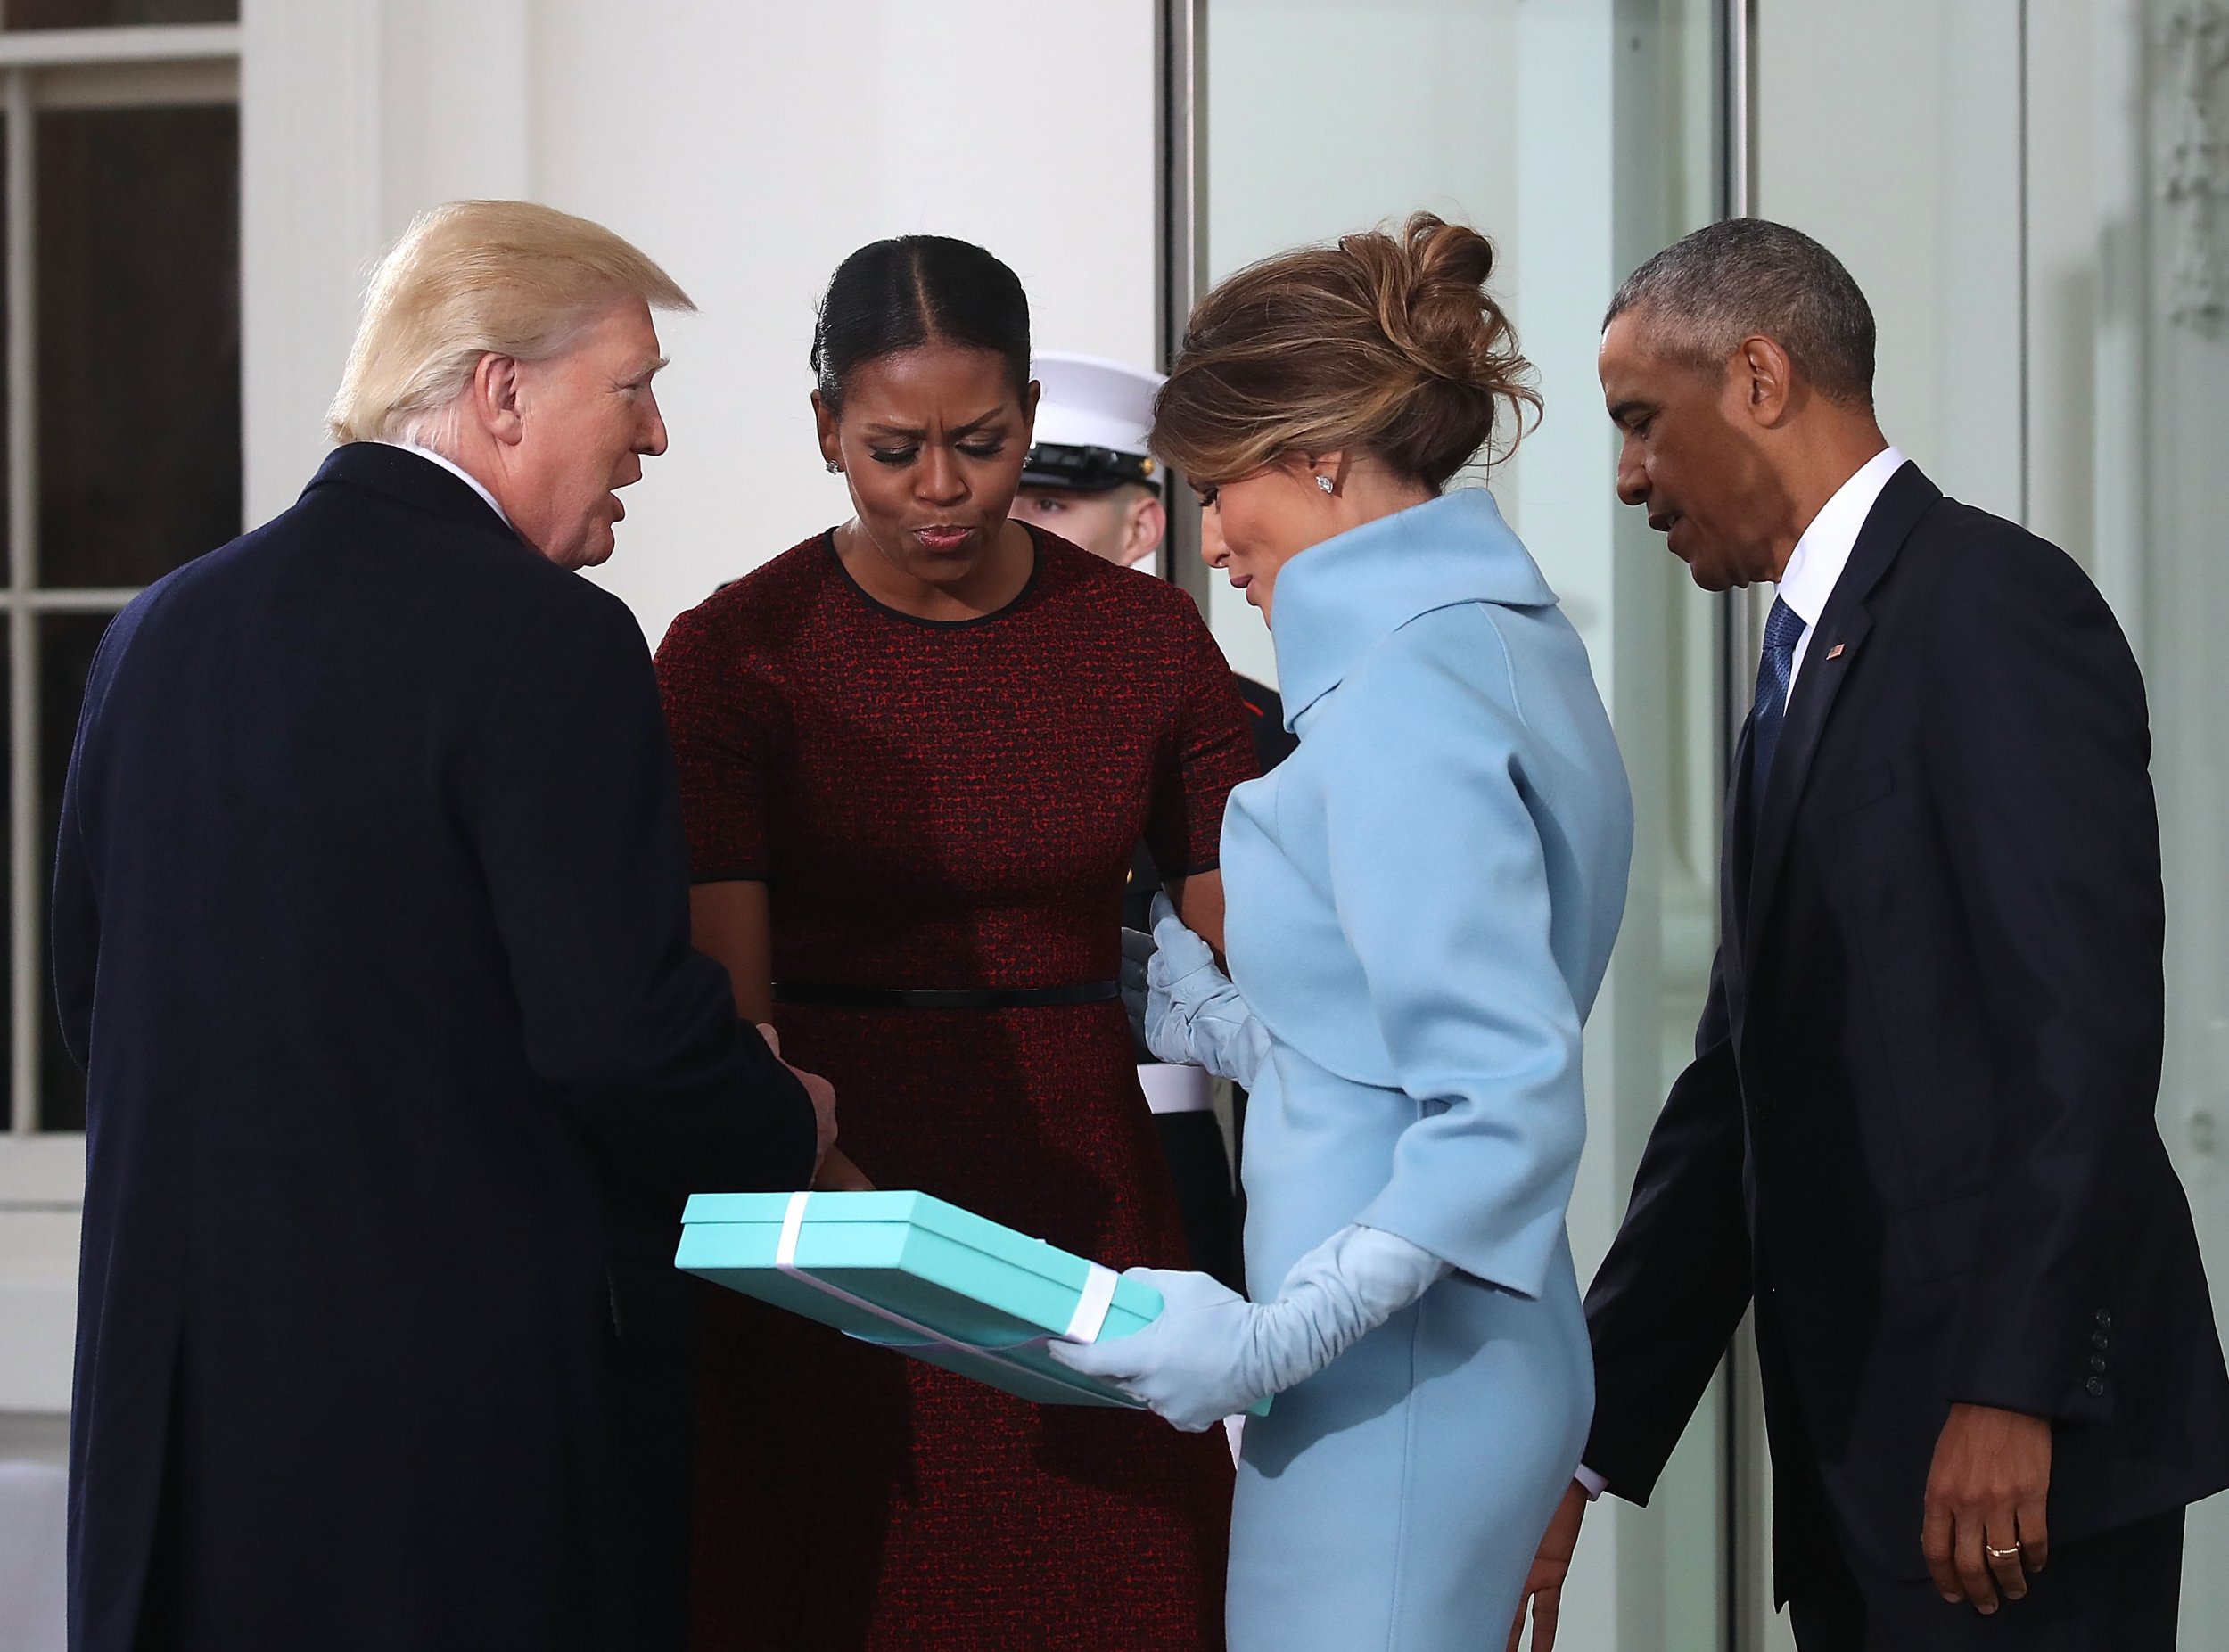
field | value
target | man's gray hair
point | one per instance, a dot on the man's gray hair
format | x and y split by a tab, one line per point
1751	279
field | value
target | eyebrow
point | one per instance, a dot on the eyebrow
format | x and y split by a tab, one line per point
969	429
649	368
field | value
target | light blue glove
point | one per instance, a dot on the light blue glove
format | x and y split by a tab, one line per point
1212	1353
1194	1016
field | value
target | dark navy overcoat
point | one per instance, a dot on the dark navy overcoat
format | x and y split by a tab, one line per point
370	929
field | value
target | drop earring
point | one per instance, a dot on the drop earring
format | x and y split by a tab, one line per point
1324	482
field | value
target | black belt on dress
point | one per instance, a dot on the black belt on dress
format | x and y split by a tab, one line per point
943	997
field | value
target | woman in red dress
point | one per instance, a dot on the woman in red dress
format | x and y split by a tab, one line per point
915	752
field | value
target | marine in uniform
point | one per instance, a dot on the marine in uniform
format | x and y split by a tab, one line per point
1090	478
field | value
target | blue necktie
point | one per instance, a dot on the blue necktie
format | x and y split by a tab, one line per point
1783	629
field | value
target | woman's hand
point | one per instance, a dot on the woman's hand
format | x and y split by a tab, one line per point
1212	1353
1192	1364
1193	1015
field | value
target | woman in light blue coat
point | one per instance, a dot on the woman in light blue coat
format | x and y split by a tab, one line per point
1422	905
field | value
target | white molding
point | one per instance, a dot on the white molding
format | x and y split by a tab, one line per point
38	1304
67	599
149	43
34	1437
2194	162
42	1172
134	85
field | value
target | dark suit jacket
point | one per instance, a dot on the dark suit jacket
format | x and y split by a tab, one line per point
370	928
1920	1126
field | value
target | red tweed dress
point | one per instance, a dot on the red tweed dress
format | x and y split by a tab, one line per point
941	805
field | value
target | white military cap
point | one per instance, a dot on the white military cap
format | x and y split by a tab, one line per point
1092	424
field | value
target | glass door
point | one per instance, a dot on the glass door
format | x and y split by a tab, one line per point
1581	137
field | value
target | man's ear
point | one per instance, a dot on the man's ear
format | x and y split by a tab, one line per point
1769	392
494	396
1144	525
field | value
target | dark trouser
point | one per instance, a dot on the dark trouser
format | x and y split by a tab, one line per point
2118	1591
1193	1145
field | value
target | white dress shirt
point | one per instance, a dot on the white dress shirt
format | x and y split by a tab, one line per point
460	472
1815	565
1813	569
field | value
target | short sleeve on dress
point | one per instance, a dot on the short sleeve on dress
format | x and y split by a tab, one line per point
719	750
1206	751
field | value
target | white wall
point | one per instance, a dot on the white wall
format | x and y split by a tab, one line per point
1891	132
753	146
747	146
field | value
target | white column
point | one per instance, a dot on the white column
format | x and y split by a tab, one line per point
310	224
2186	593
355	115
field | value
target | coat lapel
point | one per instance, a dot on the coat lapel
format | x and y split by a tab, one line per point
1733	883
1834	650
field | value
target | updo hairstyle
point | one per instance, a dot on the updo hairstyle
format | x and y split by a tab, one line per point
914	290
1386	343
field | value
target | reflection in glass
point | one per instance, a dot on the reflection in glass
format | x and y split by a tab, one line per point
1582	138
139	340
16	14
66	642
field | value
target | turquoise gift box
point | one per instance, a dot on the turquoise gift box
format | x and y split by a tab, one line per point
926	1279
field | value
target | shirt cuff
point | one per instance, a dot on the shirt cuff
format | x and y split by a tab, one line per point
1591	1483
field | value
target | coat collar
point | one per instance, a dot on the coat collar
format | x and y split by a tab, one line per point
401	474
1337	599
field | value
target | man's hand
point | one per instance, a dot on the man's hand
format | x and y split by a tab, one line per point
1544	1585
821	1093
1985	1529
838	1174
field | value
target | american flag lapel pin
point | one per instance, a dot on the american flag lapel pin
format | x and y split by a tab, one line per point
1835	652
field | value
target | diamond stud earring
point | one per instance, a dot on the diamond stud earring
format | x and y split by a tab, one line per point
836	467
1324	482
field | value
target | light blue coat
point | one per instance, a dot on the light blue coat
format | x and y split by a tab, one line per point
1421	904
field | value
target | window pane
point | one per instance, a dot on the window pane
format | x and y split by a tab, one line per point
139	340
103	13
66	642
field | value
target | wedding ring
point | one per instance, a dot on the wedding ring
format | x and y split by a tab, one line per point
1999	1554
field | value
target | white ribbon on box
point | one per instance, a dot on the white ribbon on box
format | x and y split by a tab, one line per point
1084	1324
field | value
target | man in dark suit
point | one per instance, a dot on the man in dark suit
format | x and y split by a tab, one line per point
1918	1134
370	929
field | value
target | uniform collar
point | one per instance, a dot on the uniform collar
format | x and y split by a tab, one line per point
1336	600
